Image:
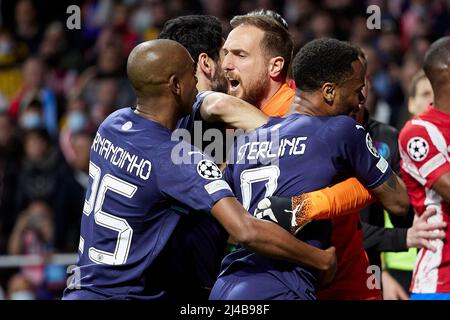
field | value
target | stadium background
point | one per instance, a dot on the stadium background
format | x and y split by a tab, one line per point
57	85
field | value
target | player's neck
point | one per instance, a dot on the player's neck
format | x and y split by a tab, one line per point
442	101
272	89
203	84
307	104
157	115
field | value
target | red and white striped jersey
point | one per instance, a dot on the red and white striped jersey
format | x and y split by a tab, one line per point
424	148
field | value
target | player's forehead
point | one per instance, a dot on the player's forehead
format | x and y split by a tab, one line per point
423	85
244	37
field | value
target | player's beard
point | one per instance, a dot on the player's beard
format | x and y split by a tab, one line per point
219	82
255	90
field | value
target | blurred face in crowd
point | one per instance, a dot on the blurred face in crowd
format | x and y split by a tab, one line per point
107	92
31	117
53	41
6	131
25	12
245	64
33	74
322	25
36	146
424	96
20	288
81	143
110	60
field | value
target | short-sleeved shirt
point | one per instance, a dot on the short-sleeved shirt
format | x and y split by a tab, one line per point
136	194
424	148
289	157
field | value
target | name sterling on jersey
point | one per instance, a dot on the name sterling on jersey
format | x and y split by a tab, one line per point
121	158
263	150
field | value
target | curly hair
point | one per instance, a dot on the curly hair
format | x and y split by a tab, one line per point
323	60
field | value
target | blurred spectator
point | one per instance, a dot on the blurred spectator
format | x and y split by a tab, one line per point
298	10
27	29
31	115
96	14
76	118
360	34
20	288
72	190
322	26
9	170
120	25
141	18
420	94
33	231
107	100
33	234
34	76
10	76
41	169
53	51
111	66
415	21
411	65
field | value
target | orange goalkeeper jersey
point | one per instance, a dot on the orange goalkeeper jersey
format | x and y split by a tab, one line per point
353	279
279	104
352	275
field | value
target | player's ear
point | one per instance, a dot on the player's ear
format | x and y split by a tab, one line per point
276	65
205	64
175	85
329	92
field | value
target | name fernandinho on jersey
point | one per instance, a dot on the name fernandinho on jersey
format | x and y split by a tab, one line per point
121	158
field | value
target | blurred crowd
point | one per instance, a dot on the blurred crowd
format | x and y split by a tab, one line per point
57	85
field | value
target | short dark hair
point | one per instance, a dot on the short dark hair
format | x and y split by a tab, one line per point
323	60
276	41
197	33
437	55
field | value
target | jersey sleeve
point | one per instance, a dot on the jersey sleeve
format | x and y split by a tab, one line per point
354	145
197	182
423	150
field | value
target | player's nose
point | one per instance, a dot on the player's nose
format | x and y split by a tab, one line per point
227	63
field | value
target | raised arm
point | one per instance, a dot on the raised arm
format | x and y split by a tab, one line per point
231	110
268	238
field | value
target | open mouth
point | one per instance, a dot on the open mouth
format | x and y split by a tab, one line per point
234	84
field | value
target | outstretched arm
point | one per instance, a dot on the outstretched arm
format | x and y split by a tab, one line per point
343	198
268	238
231	110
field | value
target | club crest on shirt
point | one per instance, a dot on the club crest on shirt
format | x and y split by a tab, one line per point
208	170
417	148
370	146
